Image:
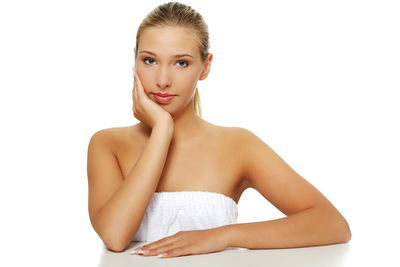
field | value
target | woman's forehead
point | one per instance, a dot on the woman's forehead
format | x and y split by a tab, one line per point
169	41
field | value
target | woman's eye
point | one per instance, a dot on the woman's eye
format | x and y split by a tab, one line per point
182	63
149	61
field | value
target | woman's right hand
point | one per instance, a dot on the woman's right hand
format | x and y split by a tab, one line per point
145	109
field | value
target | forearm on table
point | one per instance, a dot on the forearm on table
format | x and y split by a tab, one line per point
312	227
120	218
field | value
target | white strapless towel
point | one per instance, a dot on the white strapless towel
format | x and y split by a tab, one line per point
171	212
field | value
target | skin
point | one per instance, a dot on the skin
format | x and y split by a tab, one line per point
311	219
157	69
162	72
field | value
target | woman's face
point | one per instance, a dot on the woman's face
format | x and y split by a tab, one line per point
169	61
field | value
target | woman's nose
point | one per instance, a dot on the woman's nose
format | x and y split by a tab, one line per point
163	78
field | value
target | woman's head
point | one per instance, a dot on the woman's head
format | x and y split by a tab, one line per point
171	52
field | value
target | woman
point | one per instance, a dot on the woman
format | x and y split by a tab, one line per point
174	179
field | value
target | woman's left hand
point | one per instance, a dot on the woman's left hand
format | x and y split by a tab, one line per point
188	242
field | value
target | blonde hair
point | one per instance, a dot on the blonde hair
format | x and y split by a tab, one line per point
181	15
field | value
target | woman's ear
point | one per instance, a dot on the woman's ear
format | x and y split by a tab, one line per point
207	67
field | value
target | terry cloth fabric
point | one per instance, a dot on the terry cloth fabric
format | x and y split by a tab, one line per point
171	212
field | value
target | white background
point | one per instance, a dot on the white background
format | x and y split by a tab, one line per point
318	81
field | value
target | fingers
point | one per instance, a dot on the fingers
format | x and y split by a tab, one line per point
161	242
135	93
135	96
139	85
167	244
165	251
175	252
139	95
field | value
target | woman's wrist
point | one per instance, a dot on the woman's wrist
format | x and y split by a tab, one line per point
225	233
166	128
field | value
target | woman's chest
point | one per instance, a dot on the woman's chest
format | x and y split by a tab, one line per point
204	166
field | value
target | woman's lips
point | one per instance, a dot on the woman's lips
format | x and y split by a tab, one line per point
163	99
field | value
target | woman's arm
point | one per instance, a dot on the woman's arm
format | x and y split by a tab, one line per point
306	228
117	205
311	219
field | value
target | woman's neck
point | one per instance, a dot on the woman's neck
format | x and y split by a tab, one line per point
187	127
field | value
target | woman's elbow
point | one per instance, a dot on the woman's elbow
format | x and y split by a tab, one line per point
342	230
115	243
116	246
336	228
346	235
113	240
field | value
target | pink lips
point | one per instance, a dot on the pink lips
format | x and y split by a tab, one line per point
163	98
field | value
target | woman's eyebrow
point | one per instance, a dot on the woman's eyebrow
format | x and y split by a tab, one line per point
180	55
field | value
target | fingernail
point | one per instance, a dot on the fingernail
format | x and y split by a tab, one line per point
145	251
162	255
137	251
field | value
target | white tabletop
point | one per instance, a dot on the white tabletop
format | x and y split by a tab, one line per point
328	256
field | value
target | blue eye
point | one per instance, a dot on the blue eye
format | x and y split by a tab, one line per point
184	62
147	59
151	61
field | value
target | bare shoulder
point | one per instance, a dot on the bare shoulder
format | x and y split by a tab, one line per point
114	137
234	147
108	135
237	137
249	145
243	145
234	142
246	139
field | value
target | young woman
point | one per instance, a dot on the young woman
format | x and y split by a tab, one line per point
175	179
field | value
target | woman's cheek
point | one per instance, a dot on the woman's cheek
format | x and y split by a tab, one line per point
190	80
145	79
